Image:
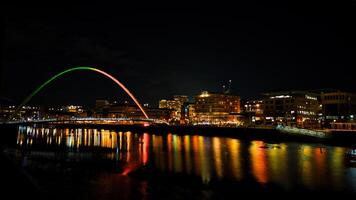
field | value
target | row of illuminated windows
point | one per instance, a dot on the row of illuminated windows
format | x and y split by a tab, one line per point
280	101
279	107
335	97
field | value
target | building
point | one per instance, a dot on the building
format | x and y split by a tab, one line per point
253	106
65	112
338	105
188	113
253	110
175	105
216	108
343	126
73	109
294	108
25	113
127	110
6	111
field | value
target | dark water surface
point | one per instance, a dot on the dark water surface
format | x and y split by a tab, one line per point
108	164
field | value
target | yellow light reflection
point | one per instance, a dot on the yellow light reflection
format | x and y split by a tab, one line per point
233	146
278	164
320	164
157	148
217	156
336	164
187	155
204	160
177	153
306	165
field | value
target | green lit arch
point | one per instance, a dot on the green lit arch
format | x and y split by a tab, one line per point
28	98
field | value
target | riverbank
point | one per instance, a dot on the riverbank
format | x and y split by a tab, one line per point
270	134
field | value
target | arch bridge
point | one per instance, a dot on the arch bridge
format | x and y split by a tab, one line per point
81	68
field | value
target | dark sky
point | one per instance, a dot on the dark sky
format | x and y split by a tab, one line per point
158	52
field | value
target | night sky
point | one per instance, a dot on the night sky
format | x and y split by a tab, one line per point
159	52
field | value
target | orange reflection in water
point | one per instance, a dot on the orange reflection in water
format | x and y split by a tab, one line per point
204	160
127	138
146	143
108	139
169	151
196	155
320	163
259	161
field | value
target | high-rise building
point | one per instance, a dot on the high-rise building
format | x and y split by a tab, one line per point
216	108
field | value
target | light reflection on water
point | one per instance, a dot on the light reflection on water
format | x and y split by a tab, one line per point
211	158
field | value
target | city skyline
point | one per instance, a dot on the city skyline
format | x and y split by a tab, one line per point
160	52
253	99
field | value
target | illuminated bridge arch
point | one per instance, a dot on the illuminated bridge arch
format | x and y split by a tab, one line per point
81	68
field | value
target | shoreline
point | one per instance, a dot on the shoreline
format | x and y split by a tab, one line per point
272	134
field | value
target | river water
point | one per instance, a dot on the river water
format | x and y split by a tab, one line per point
111	164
